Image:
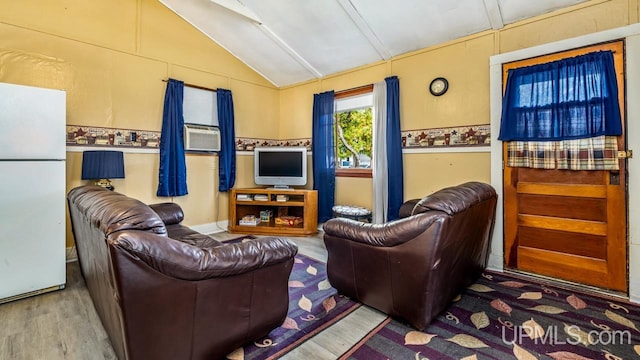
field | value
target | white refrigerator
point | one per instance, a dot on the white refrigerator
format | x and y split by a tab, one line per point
32	191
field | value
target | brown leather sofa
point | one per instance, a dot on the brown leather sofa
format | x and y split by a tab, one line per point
413	267
164	291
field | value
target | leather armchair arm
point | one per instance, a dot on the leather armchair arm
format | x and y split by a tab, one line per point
170	213
407	208
183	261
389	234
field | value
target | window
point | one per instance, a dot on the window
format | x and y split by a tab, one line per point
571	98
200	106
354	131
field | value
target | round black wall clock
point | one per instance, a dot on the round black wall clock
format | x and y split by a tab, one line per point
438	86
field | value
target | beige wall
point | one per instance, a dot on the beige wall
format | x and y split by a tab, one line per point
465	63
110	57
296	107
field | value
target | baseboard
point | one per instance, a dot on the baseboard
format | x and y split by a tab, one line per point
211	228
71	254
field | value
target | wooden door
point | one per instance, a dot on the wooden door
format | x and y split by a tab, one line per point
567	224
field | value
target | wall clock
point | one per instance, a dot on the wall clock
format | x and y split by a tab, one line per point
438	86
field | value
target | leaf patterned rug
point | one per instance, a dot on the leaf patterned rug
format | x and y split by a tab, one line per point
504	317
313	306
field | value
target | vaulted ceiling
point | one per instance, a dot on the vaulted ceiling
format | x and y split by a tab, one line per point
291	41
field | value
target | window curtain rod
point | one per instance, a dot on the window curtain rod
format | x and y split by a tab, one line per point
194	86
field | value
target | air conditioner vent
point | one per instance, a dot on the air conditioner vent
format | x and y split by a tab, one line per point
201	138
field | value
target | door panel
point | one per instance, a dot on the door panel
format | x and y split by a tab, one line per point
581	208
569	224
593	246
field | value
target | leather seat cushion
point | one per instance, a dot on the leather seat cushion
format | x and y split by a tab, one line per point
191	237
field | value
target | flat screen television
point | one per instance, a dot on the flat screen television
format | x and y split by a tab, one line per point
280	167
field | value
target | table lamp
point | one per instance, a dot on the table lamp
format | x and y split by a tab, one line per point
102	165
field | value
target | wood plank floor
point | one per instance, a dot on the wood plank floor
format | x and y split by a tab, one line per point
64	324
57	325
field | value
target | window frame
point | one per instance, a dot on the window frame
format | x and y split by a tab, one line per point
350	172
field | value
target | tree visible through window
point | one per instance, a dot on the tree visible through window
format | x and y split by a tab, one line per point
354	137
354	128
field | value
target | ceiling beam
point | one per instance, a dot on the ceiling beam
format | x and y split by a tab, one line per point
289	50
362	24
492	8
238	8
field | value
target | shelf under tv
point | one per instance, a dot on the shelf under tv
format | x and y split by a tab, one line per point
301	203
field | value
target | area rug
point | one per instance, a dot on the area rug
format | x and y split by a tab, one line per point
313	306
504	317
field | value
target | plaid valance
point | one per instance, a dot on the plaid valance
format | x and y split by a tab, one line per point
596	153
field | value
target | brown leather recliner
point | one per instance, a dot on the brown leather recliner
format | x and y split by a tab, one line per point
413	267
165	291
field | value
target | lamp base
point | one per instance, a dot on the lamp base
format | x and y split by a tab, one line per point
105	183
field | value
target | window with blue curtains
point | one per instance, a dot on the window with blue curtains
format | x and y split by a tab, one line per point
172	178
573	98
323	154
227	155
563	114
394	149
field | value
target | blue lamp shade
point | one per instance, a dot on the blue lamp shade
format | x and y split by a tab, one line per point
102	165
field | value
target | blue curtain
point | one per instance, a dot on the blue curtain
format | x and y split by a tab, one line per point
227	155
323	154
394	149
573	98
173	168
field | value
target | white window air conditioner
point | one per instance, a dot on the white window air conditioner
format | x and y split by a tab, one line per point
201	138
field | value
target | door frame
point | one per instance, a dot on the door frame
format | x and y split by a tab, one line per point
631	34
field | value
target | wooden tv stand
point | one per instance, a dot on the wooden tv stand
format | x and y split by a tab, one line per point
300	203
